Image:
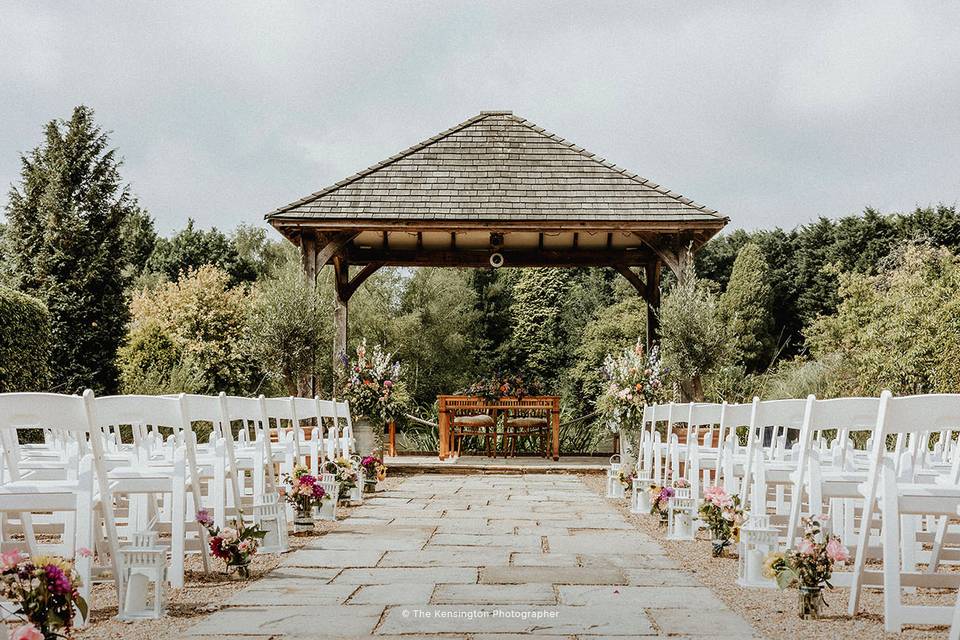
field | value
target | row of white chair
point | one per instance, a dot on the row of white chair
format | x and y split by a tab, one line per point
110	467
891	500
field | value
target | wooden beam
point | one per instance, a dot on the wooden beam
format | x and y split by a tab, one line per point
664	225
351	287
653	303
333	244
674	250
308	255
633	279
480	258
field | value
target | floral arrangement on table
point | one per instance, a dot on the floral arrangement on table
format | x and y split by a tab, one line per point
45	588
504	386
808	566
659	496
345	472
303	491
235	545
634	378
723	515
373	384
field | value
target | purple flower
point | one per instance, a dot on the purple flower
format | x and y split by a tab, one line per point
58	581
203	517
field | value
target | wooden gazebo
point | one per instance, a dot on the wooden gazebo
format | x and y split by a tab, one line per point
495	189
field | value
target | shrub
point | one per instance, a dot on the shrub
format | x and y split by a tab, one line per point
24	342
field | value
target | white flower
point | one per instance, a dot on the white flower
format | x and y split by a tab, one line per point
229	535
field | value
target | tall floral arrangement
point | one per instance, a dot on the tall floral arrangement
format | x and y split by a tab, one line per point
45	590
373	385
634	378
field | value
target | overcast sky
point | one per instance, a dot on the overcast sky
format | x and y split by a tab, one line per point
771	115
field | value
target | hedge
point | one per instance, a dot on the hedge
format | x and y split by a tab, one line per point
24	342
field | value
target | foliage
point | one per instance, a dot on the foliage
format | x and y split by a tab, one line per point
694	340
64	227
288	328
198	322
139	240
24	343
538	346
897	330
659	497
493	297
233	545
745	309
810	563
192	248
633	379
373	384
45	590
345	473
303	490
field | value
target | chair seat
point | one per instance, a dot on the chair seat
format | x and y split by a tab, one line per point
526	423
474	421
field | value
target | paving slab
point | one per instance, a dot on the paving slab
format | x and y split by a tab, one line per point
392	575
690	622
332	558
553	575
268	620
494	594
442	557
291	591
646	597
392	594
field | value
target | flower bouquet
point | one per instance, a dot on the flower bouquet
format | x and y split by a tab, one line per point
808	566
304	492
659	496
45	589
626	479
372	383
234	545
723	515
503	386
346	475
373	471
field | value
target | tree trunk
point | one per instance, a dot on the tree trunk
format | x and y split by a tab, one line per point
691	390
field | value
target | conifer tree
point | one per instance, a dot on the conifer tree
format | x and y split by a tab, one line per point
745	308
64	224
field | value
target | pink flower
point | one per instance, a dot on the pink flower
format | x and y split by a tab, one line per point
203	517
83	552
26	632
10	559
836	551
805	547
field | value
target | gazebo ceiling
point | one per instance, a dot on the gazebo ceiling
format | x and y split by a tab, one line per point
496	182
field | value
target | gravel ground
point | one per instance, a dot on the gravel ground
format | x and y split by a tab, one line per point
772	612
202	594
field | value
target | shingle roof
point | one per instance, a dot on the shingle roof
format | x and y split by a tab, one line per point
496	166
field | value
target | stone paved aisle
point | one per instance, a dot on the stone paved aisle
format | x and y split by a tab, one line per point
478	557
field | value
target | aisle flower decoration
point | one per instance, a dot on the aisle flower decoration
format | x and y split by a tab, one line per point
659	496
45	590
626	479
373	470
234	545
633	378
373	384
723	515
303	491
345	473
808	566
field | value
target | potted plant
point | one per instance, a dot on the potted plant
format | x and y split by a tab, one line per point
235	545
373	385
346	476
723	516
633	379
808	566
44	588
304	492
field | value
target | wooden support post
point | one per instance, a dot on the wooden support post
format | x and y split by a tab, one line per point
307	384
341	279
392	450
653	303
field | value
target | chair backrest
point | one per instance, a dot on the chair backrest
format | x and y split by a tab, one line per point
247	411
155	411
916	416
702	414
73	415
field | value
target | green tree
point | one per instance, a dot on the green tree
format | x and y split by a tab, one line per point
693	338
289	327
192	248
139	240
192	330
538	346
265	255
64	227
745	308
897	330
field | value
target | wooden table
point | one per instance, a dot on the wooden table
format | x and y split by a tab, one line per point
462	405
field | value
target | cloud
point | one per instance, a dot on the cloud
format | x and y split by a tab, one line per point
771	114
